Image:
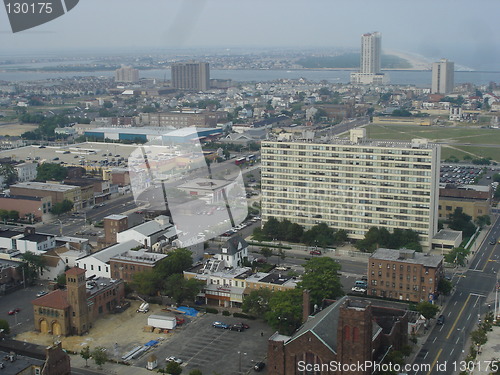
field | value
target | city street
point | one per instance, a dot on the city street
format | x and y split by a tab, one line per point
447	342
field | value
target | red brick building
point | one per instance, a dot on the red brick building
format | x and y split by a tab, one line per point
404	274
72	311
351	330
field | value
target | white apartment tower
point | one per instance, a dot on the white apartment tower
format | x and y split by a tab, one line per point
442	77
371	51
371	46
352	184
126	74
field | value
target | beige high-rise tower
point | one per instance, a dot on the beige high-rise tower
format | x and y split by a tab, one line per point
443	78
191	76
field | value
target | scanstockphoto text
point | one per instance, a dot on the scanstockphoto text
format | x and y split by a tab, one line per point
444	367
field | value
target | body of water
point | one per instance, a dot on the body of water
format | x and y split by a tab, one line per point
399	77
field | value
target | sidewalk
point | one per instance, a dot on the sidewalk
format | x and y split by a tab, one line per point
77	362
489	352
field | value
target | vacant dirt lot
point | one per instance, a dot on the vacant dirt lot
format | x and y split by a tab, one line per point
16	129
125	329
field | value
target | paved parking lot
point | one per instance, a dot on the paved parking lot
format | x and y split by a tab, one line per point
22	321
210	349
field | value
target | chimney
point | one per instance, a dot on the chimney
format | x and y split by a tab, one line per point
29	230
306	305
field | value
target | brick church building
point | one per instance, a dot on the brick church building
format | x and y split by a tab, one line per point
351	330
72	311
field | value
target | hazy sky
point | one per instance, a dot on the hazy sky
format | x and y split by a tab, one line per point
465	31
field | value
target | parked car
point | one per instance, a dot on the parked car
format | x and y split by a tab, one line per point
357	289
14	311
440	320
220	325
41	293
259	366
315	252
492	242
174	359
246	326
236	327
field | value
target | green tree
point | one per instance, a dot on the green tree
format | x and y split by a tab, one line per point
51	172
33	266
100	357
14	215
457	256
150	282
8	173
322	279
483	220
497	192
257	302
5	326
61	279
85	354
266	252
180	289
146	282
173	368
341	236
195	372
107	104
285	311
496	177
444	286
459	220
479	337
62	207
427	309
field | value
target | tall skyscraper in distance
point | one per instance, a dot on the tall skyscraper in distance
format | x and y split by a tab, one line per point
126	74
371	45
191	76
443	77
371	51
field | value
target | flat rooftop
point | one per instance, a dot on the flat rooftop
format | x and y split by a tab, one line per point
45	186
362	143
407	256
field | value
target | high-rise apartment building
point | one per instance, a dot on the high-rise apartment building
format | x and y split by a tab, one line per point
442	76
371	51
191	76
352	184
126	74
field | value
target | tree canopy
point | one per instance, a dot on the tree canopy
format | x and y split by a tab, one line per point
460	221
320	235
150	282
257	302
427	309
322	279
51	172
381	237
62	207
458	256
180	289
285	313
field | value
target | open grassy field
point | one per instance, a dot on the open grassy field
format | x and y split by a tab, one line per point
15	129
476	142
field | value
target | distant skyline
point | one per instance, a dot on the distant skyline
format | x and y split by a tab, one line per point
455	29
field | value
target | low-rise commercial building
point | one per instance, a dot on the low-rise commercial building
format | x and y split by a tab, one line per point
58	192
32	208
473	200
